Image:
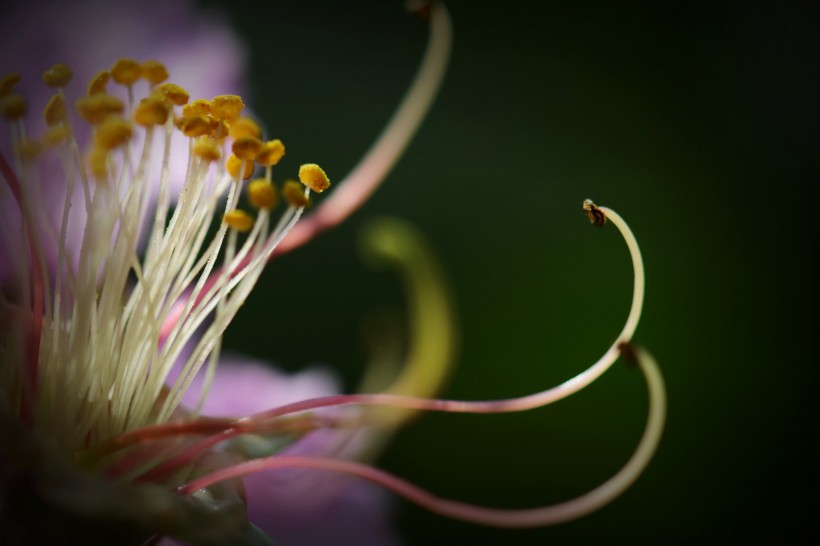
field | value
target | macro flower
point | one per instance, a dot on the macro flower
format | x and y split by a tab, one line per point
140	217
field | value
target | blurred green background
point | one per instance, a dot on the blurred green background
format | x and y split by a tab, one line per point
694	121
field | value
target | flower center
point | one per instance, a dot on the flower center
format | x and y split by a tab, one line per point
132	258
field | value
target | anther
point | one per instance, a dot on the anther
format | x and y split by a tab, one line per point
234	163
151	111
8	82
314	177
238	220
97	84
226	107
57	76
198	107
126	71
294	193
629	353
207	150
596	215
13	107
262	194
95	108
154	72
174	93
245	127
112	133
246	147
271	153
195	126
54	111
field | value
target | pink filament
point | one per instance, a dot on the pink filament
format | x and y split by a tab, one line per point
254	423
468	512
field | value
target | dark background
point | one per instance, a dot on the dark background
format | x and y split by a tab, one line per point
695	122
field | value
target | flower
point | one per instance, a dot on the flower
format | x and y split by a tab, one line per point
106	334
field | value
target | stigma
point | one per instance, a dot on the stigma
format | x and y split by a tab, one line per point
98	321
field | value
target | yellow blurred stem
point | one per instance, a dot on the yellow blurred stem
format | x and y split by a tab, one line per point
431	324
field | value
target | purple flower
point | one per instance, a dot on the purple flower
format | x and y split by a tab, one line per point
198	49
126	255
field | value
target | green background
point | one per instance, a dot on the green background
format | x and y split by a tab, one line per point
694	123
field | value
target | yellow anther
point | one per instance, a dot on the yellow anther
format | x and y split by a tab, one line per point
238	220
98	161
198	107
314	177
97	84
271	153
294	193
8	82
233	164
207	150
28	148
126	71
596	215
226	107
195	126
151	111
56	135
245	127
13	106
95	108
246	147
54	112
112	133
57	76
174	93
154	72
262	194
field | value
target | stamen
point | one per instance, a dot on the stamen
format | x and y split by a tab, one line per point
253	422
534	517
314	177
112	133
126	72
366	176
151	111
154	72
271	153
294	194
174	93
95	108
7	83
226	107
233	164
195	126
245	127
55	111
198	107
57	76
98	83
262	194
238	220
246	147
13	107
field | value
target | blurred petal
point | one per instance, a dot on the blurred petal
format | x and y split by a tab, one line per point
198	48
299	508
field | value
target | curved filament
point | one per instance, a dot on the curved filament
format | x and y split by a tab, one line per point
534	517
366	176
